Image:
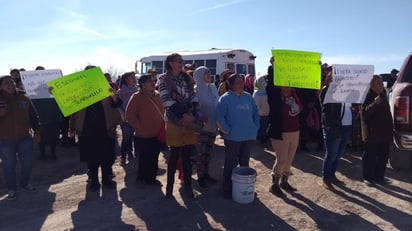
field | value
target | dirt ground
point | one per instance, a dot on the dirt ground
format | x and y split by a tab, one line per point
62	201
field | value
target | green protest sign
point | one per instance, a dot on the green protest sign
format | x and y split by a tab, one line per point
78	90
300	69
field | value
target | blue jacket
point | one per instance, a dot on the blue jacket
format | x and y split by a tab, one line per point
237	116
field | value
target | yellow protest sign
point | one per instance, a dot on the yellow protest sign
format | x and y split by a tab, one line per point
78	90
300	69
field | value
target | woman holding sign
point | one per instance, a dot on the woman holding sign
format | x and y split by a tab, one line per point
284	110
96	128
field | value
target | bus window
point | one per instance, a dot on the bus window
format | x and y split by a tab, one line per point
158	66
251	69
211	64
199	63
241	69
146	67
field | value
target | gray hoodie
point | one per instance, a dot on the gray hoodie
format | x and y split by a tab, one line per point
208	97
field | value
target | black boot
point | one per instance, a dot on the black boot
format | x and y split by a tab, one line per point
274	188
285	185
202	182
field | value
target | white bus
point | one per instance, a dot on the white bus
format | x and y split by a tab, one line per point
237	60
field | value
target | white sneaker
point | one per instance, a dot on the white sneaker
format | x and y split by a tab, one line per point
11	195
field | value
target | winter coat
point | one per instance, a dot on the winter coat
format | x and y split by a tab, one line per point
378	118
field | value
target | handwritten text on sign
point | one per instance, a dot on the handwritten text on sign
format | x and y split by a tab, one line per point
78	90
350	83
300	69
35	82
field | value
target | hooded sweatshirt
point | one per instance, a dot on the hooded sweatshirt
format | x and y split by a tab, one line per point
237	116
260	96
208	97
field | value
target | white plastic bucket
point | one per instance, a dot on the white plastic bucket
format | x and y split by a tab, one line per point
243	184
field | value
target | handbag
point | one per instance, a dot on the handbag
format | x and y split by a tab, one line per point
364	127
161	136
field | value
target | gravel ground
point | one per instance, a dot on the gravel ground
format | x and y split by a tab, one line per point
62	201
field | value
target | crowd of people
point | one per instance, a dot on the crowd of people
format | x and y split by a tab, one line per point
185	110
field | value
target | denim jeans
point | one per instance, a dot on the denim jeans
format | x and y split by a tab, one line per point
127	140
236	152
334	148
8	150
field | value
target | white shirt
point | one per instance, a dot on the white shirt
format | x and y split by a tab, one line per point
347	116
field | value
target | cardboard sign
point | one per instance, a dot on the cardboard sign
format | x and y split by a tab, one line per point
35	82
350	83
300	69
78	90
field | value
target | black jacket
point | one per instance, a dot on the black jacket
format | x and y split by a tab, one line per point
331	113
275	111
378	118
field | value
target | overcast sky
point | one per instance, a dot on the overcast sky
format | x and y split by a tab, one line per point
69	34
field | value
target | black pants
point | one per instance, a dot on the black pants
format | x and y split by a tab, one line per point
49	134
64	129
175	152
93	167
98	151
374	160
148	149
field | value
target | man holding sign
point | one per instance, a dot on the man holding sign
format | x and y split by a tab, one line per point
291	69
348	85
89	95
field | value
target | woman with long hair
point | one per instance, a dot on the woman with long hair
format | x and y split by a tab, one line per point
177	93
18	119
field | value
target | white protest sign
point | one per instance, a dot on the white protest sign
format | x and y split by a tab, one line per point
350	83
35	82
